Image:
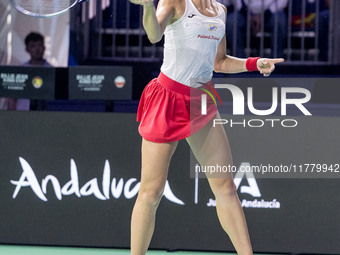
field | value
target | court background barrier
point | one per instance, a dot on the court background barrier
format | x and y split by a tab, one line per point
112	29
71	179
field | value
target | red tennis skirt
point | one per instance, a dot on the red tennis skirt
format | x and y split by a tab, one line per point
169	111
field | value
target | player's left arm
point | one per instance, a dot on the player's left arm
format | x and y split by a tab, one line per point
229	64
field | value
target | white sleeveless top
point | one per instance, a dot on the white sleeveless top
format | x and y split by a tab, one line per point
190	46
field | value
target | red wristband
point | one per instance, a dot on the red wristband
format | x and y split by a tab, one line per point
251	64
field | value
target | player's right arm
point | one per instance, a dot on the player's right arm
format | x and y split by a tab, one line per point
155	21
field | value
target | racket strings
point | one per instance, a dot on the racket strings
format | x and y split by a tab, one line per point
44	6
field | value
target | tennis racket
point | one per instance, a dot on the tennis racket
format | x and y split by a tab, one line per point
44	8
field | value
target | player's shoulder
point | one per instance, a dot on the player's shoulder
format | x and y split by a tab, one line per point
222	5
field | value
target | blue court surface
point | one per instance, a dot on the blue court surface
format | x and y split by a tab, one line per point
43	250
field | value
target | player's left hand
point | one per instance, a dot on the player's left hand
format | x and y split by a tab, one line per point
267	65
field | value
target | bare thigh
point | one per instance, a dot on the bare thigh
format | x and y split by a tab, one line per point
211	147
155	163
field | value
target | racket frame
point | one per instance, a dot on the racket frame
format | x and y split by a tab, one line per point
39	15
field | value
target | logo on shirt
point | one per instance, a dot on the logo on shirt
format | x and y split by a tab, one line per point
191	15
212	28
208	37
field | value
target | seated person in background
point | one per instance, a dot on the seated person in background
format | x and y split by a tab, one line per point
35	47
309	22
271	8
234	8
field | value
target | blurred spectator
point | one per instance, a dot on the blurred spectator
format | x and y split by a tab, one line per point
35	47
309	22
271	10
237	19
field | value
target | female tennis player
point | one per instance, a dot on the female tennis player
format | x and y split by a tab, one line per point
195	46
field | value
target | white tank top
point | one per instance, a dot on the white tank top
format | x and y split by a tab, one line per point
190	46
